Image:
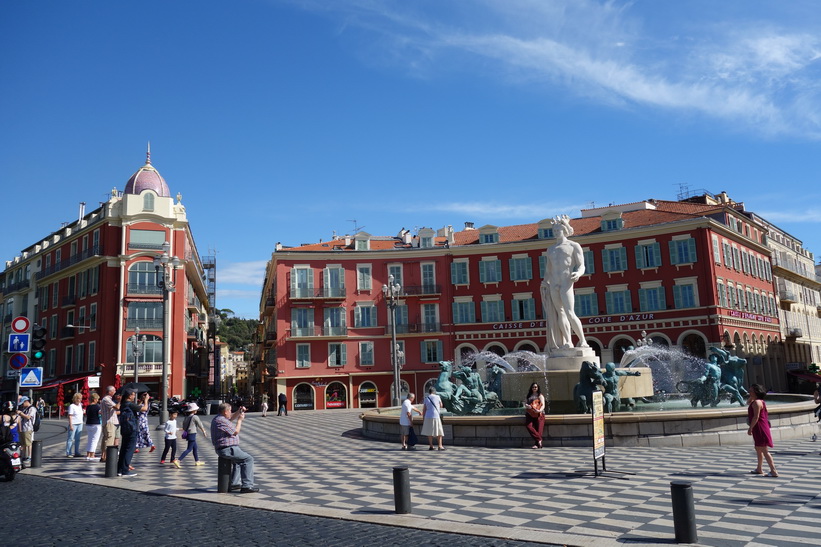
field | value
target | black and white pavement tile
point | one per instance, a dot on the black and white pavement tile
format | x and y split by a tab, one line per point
317	459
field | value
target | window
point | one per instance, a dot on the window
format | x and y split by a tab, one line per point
53	328
303	355
524	309
431	351
493	311
366	353
612	224
459	273
684	296
464	312
52	362
587	305
683	251
92	316
489	238
521	269
337	355
302	282
146	239
652	299
81	284
716	250
152	350
648	256
69	361
335	322
92	356
142	278
426	242
722	295
728	254
736	261
589	264
95	238
428	279
618	301
546	233
145	315
302	322
365	315
739	301
363	277
362	244
401	318
80	357
333	281
55	290
490	271
43	298
614	259
148	201
430	317
745	261
93	279
396	271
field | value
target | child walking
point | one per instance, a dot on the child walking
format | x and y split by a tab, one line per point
189	427
170	438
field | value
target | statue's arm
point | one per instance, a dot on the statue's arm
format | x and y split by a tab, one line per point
578	262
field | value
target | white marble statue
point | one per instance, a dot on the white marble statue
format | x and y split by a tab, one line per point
563	267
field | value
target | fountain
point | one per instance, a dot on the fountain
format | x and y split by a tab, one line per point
490	412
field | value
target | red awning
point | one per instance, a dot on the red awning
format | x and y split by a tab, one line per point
806	375
60	381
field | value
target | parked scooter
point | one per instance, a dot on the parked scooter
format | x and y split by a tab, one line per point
10	460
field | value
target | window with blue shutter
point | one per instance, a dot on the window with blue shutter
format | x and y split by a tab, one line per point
521	269
587	305
648	256
490	271
683	251
589	264
614	260
459	273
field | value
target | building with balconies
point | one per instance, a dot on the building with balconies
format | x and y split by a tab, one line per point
692	274
94	285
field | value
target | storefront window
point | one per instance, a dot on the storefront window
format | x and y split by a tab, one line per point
303	397
367	395
336	395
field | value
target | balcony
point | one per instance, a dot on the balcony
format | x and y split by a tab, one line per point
96	250
422	290
144	324
144	288
14	287
415	328
69	300
301	332
795	333
317	292
787	296
334	331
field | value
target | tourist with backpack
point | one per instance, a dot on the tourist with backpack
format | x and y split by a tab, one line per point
27	415
129	409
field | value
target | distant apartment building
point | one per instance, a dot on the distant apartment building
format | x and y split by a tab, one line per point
691	274
93	285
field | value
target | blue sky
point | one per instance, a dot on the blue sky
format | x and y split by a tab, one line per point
286	121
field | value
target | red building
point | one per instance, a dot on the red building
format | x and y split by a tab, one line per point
692	274
93	285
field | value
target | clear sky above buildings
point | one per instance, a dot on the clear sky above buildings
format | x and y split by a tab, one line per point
288	121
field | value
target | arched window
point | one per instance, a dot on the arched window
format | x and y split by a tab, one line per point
336	395
694	345
368	395
303	397
150	351
148	201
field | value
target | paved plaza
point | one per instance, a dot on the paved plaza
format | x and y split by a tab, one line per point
315	463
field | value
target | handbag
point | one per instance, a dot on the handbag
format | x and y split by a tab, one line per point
185	434
412	439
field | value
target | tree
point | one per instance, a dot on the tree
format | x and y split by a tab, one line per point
238	333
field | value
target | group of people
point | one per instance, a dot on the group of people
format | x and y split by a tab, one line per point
432	421
282	401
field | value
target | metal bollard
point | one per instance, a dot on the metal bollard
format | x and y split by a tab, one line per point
401	489
111	455
36	454
684	513
224	471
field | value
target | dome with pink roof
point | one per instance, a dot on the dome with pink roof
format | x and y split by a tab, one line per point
147	178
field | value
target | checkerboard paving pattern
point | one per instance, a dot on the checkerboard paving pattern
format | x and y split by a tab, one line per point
319	459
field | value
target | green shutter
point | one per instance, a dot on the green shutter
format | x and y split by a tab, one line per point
656	254
608	301
673	254
623	258
605	259
484	311
472	312
643	299
498	270
640	261
343	354
455	307
514	307
595	304
511	264
453	273
691	250
439	350
423	355
528	268
542	260
482	275
589	264
677	296
662	298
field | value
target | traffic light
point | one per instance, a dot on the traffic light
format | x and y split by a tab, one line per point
38	344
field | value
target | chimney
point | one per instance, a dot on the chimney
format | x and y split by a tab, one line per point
278	246
469	226
82	211
407	237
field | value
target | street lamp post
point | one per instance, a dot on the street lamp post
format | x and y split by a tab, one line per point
391	293
164	264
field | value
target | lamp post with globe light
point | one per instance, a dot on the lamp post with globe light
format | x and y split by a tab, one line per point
391	292
164	265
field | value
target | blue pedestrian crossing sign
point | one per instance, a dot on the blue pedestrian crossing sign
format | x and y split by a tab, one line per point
19	342
31	377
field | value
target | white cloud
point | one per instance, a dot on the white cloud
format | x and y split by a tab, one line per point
493	209
806	216
241	273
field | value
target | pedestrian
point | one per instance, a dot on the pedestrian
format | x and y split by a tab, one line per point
93	427
189	431
534	414
432	424
129	429
41	406
144	439
406	421
109	419
759	421
225	438
26	413
283	404
264	405
170	428
75	426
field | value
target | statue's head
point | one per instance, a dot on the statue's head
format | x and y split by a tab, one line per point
562	222
713	358
610	367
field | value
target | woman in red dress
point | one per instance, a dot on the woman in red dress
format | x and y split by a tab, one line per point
759	429
534	415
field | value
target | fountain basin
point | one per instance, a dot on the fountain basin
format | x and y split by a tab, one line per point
791	416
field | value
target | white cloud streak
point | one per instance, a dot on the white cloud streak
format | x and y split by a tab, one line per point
753	74
241	273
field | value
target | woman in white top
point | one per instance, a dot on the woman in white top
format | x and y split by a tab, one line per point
432	426
75	426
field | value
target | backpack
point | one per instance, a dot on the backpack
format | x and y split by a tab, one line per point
36	421
128	421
